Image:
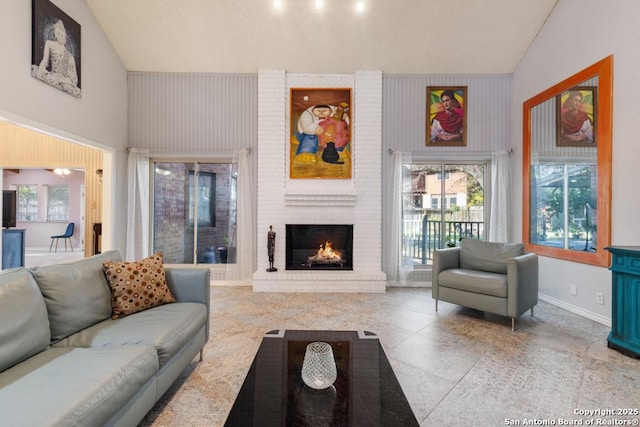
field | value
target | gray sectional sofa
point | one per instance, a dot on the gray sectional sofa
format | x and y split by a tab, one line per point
65	362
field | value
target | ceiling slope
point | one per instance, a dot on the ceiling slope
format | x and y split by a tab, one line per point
395	36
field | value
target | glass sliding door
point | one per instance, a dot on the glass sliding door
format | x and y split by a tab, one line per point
194	214
442	203
463	203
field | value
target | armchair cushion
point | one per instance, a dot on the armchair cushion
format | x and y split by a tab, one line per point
487	256
479	282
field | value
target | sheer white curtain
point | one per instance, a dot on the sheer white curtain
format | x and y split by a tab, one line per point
395	271
500	225
243	237
137	245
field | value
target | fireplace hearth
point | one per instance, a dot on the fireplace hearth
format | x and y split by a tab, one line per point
319	247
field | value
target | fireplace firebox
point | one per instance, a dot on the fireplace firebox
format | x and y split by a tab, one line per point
319	247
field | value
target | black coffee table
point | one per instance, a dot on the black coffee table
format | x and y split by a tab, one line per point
365	393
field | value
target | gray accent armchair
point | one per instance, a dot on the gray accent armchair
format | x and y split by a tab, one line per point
493	277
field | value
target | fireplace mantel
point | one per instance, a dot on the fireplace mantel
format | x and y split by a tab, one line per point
320	199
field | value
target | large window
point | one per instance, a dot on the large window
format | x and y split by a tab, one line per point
438	212
194	212
563	201
43	202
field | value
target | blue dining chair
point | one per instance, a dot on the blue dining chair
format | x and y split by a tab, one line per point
66	236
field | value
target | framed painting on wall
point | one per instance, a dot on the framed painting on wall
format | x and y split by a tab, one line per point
320	144
576	117
55	47
446	116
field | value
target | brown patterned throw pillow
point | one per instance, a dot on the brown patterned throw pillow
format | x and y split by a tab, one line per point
137	286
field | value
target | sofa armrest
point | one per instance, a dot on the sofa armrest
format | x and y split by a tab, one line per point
443	259
191	285
522	278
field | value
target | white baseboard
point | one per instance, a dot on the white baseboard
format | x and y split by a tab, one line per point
231	283
407	284
576	310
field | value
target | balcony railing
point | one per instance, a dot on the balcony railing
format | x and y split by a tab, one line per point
422	237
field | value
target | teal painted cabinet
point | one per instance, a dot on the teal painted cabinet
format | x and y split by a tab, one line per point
625	300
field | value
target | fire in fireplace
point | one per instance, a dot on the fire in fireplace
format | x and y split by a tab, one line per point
319	247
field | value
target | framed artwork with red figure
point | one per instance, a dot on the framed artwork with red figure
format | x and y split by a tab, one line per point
320	144
576	117
446	116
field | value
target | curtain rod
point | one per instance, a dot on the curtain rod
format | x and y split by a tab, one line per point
421	153
173	151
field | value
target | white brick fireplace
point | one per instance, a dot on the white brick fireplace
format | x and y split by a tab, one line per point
357	201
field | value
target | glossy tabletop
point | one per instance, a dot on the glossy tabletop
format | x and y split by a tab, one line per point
366	391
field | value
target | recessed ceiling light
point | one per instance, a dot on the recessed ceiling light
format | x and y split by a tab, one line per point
319	4
62	171
277	4
360	6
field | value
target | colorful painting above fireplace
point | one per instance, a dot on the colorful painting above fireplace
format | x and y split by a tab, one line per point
320	143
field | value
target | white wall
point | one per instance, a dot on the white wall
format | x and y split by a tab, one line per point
577	34
98	118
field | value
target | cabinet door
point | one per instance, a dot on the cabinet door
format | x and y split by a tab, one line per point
625	300
12	248
628	316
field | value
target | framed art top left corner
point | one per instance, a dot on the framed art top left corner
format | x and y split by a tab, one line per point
55	48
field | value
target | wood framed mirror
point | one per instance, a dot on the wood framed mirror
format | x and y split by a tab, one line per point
567	135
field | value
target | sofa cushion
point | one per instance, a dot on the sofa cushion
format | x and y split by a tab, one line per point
23	316
137	286
479	282
487	256
167	328
76	294
74	386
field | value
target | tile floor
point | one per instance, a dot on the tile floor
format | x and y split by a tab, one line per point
41	256
457	367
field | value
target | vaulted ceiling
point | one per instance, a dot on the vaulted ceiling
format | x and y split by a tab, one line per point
395	36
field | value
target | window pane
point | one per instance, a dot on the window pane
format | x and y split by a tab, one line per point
465	216
206	199
426	226
57	203
563	206
27	202
171	232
